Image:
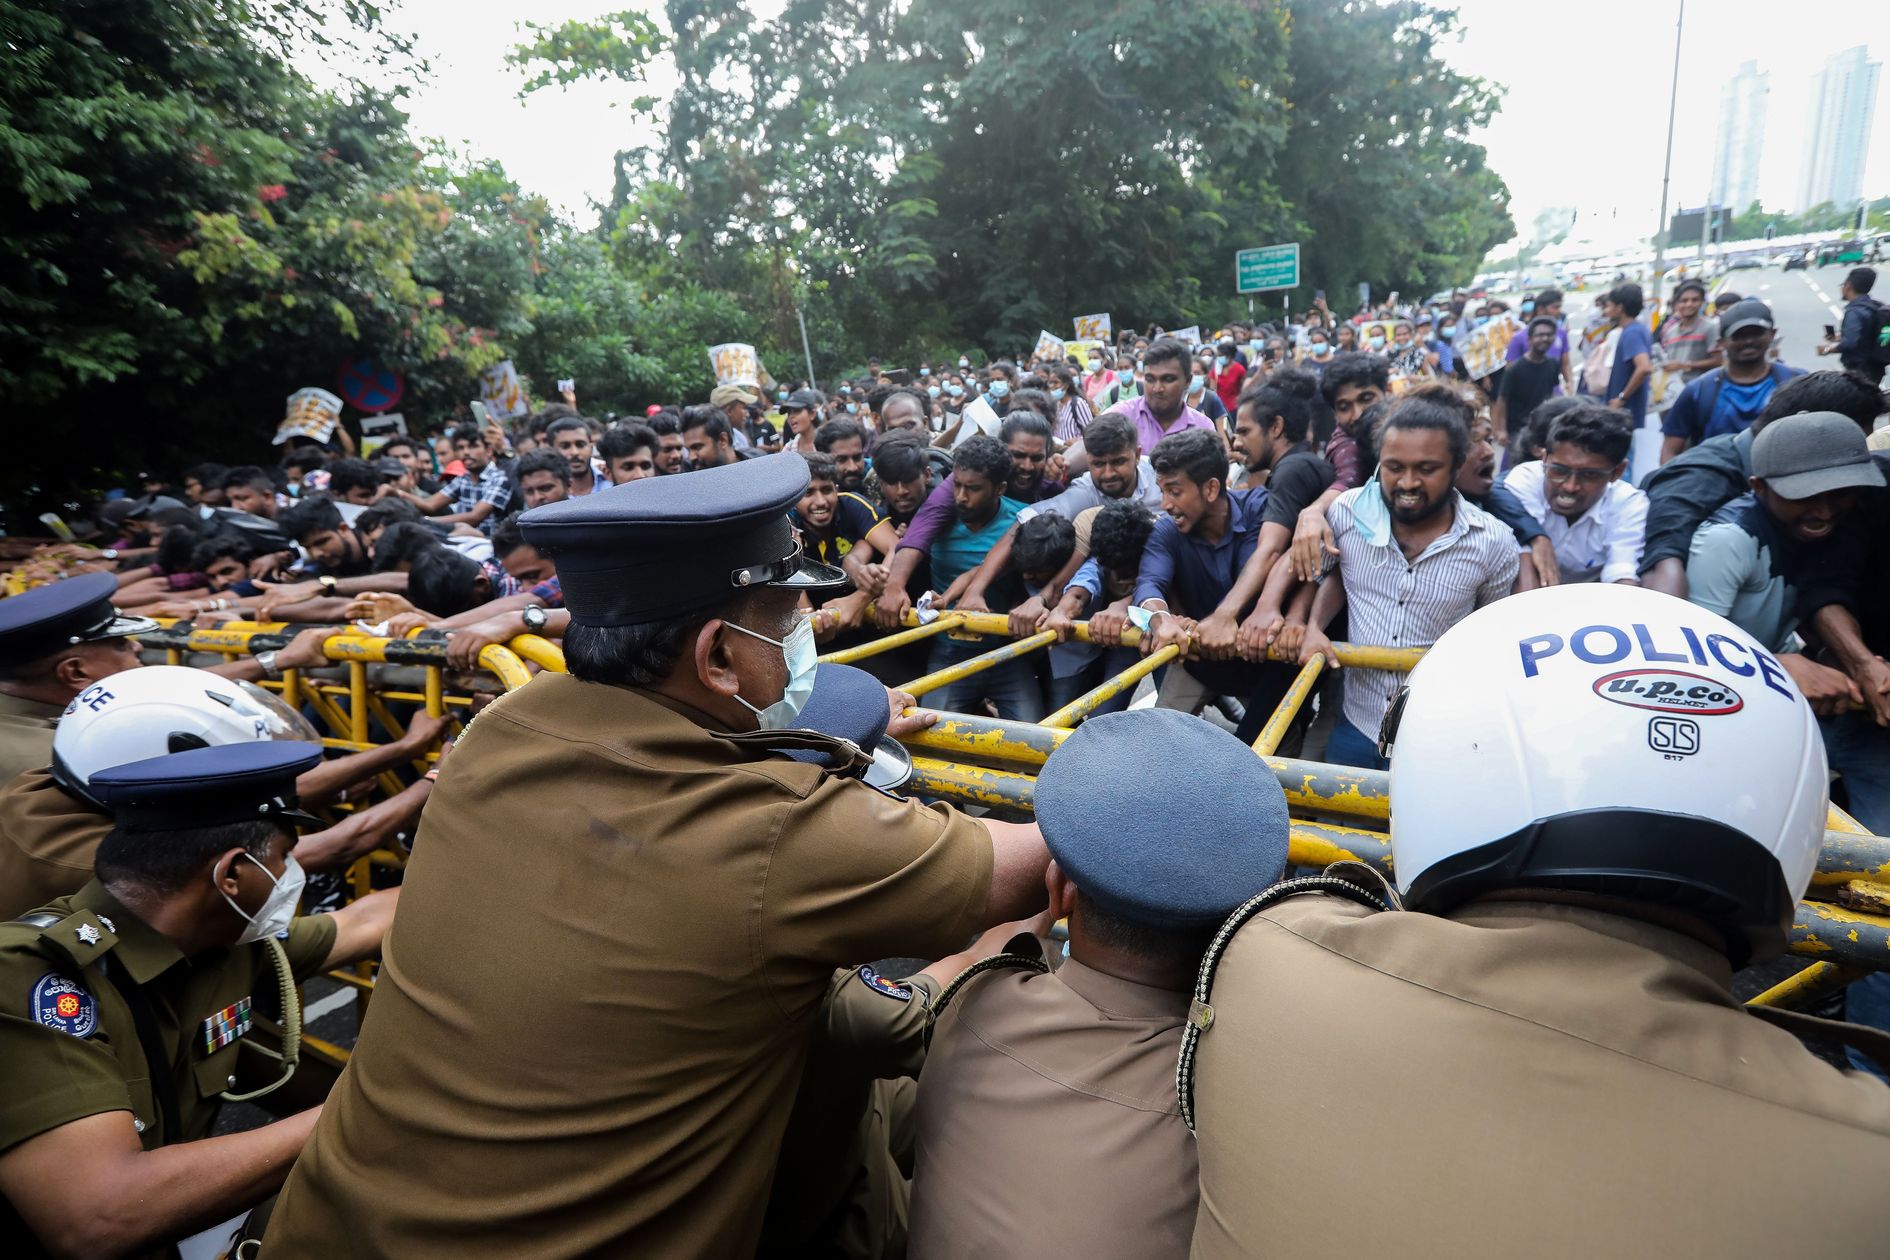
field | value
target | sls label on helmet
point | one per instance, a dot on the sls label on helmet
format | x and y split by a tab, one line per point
1673	737
1669	691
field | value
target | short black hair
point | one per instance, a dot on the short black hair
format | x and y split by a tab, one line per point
1593	428
167	862
351	474
841	430
1357	369
311	514
1629	298
711	420
1544	319
985	456
440	580
820	467
666	423
1044	544
1032	401
1434	407
389	511
542	460
1536	425
1172	946
220	547
1695	285
208	475
507	537
307	458
564	424
1287	393
1168	350
177	546
401	542
646	654
1025	422
626	437
899	459
396	441
250	475
1118	532
1846	393
1197	454
1109	434
1548	297
1861	279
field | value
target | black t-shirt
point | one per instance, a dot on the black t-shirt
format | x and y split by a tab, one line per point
1298	479
1527	385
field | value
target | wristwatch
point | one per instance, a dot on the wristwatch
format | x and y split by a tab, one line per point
328	582
268	662
535	618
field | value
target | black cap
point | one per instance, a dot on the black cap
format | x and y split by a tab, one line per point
45	619
664	547
801	400
1745	313
209	787
154	503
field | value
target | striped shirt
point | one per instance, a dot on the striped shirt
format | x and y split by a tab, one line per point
1073	416
1394	602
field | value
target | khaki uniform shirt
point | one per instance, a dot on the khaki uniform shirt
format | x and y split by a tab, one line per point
595	1003
69	1042
1516	1079
1048	1123
843	1182
47	841
26	731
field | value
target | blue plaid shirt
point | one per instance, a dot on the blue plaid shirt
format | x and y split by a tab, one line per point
491	486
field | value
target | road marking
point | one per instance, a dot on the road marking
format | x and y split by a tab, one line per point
327	1006
1818	289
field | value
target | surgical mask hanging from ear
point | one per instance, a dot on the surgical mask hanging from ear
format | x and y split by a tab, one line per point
278	908
802	660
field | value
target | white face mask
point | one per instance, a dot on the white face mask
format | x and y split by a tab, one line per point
278	908
802	660
964	363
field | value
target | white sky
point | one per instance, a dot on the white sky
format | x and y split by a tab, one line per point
1583	121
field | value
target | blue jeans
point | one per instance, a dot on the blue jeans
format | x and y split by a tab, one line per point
1108	665
1859	750
1012	686
1349	746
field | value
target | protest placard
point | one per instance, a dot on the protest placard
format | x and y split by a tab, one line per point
501	392
735	363
1049	347
312	413
1092	327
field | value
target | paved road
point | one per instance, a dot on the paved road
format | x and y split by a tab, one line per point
1802	303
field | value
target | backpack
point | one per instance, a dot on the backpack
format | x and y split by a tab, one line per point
1709	388
1876	347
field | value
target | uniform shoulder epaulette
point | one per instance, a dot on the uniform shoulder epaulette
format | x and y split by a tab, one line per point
72	942
996	962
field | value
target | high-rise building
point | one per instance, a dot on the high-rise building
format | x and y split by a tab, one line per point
1843	98
1741	138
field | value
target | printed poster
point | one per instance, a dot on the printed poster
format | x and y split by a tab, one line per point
501	392
1092	327
1049	346
312	413
735	363
1485	350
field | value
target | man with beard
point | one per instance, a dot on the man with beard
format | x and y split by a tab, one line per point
570	437
845	442
333	547
1596	521
1728	399
1414	558
670	451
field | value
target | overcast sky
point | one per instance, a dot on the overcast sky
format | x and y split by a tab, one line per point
1583	121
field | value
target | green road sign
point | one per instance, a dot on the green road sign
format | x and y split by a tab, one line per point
1271	267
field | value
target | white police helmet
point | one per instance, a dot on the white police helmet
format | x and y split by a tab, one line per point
1612	740
161	709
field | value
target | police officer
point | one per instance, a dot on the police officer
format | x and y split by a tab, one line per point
624	908
59	639
121	1007
843	1182
1603	800
55	641
50	823
1047	1119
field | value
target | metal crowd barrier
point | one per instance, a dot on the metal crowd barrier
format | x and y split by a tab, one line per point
1337	811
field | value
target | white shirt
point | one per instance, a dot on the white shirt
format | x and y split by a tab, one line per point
1604	543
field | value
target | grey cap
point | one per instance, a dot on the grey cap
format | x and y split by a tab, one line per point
1813	453
1746	313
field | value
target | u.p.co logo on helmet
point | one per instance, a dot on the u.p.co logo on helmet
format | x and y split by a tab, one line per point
1669	691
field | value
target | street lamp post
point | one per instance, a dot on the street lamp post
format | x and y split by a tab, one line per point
1666	170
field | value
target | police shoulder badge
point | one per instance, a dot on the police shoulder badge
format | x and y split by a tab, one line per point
880	984
62	1004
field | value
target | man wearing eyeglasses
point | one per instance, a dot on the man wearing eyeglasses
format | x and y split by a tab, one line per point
1596	521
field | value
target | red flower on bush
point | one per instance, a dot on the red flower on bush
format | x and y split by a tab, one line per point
272	192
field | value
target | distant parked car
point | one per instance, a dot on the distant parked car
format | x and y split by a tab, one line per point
1747	263
1798	262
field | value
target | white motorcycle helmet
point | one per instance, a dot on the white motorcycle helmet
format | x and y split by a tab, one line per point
1611	740
160	709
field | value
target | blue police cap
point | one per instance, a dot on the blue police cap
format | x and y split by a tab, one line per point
662	547
1180	852
209	787
851	704
46	619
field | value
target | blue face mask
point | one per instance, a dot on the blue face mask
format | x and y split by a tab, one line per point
1479	321
781	394
1321	349
1126	376
1375	341
1446	330
1057	393
802	660
1528	308
853	409
1254	346
925	371
999	388
954	389
1095	365
932	390
1220	363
